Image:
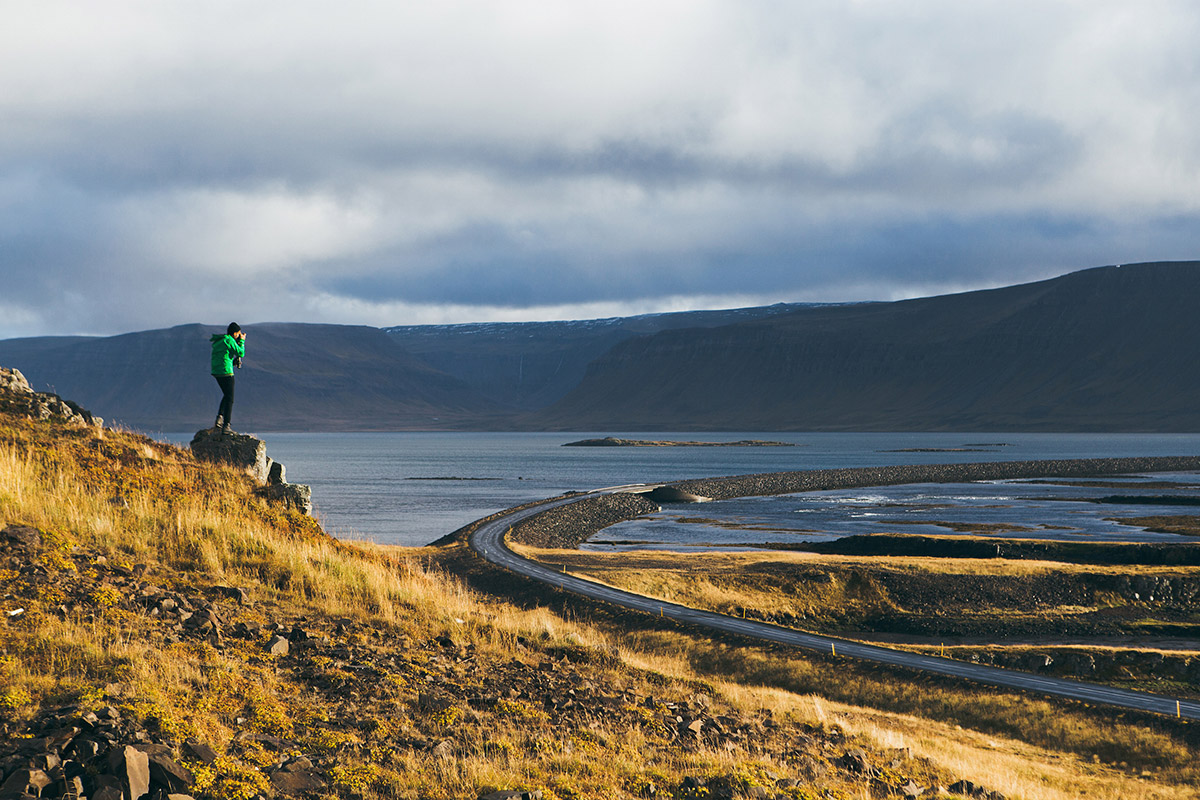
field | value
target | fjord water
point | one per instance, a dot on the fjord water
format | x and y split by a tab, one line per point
412	488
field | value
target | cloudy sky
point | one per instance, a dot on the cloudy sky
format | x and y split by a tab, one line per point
399	162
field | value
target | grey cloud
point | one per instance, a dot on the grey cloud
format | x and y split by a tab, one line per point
739	148
490	267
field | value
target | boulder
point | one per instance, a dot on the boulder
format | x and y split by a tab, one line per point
278	646
132	767
296	496
11	380
296	776
235	449
167	774
25	781
23	536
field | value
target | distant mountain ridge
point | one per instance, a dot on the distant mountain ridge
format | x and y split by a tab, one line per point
296	377
338	377
529	365
1105	349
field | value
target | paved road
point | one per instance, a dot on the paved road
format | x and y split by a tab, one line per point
489	542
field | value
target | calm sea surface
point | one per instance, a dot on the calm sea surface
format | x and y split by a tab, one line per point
412	488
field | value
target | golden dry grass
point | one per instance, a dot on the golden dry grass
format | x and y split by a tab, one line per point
141	502
718	562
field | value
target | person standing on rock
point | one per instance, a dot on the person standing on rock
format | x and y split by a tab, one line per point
227	352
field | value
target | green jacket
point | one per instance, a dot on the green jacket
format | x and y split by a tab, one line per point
224	349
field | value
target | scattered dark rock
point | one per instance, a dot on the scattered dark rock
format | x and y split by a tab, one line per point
25	782
198	751
23	536
296	776
164	772
132	767
232	592
969	789
277	646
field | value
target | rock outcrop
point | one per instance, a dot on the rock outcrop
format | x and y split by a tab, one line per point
235	449
247	452
18	397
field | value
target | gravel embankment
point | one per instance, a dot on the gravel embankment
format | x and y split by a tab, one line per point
819	479
571	525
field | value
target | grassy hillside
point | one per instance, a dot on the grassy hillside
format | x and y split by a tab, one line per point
145	599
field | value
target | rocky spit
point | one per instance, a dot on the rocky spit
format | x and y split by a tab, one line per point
571	525
824	479
613	441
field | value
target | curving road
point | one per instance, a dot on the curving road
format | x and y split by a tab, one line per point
489	542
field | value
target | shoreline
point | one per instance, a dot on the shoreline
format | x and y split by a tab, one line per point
569	526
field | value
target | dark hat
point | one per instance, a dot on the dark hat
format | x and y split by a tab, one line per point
233	328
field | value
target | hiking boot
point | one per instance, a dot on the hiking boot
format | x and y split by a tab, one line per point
225	427
219	424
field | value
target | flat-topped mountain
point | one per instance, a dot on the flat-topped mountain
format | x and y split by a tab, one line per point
1111	348
1106	349
529	365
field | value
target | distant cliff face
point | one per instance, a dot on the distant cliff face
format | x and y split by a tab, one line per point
1103	349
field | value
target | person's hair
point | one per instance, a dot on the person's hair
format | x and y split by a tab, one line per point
232	329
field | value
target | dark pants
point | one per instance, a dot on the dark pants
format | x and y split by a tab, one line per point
226	409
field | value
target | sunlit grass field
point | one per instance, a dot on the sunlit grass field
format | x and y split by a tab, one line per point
103	496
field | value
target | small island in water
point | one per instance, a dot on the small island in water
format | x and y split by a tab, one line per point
612	441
